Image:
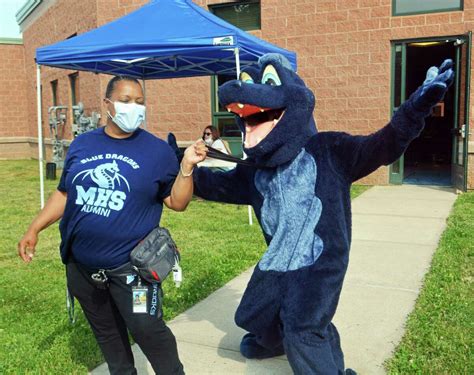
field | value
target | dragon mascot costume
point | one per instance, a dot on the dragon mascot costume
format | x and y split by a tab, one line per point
299	188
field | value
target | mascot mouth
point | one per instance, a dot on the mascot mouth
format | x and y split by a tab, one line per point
259	122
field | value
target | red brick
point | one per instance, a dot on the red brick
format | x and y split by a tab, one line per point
368	3
436	18
370	24
381	11
414	20
358	14
347	26
428	30
395	22
326	6
347	4
468	15
13	106
456	17
338	16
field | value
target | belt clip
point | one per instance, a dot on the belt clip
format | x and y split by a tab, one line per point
101	279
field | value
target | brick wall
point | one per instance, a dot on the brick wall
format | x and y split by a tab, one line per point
343	52
12	149
13	108
470	165
343	49
60	21
470	171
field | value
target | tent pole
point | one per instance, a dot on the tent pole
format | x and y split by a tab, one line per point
40	132
144	94
237	61
237	69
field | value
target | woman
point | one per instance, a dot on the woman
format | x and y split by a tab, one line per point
110	196
211	137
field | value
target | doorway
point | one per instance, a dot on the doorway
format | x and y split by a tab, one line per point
437	157
428	159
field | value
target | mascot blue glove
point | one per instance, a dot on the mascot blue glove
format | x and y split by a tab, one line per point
434	87
300	191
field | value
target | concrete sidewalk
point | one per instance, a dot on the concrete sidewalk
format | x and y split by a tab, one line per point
395	233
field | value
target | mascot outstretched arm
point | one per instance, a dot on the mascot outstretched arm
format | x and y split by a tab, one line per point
300	191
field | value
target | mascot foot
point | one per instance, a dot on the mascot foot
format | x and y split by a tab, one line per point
350	371
251	349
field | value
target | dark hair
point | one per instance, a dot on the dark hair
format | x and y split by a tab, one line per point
113	82
214	131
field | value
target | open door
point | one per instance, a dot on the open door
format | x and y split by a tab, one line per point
439	155
461	113
397	98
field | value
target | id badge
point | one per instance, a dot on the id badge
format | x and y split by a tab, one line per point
139	299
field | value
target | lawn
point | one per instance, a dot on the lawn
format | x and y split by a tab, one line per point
216	243
439	336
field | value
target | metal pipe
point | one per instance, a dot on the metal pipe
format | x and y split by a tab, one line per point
237	61
40	133
237	68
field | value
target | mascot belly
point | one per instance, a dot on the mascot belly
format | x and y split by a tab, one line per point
300	191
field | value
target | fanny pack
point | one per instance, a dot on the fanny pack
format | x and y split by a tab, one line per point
156	256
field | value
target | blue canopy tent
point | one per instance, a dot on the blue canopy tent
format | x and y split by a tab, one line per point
162	39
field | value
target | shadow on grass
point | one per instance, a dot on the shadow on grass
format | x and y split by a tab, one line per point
83	348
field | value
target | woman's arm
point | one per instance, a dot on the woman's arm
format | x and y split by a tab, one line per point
220	145
182	190
52	211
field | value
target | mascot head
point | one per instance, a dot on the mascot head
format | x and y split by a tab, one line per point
273	108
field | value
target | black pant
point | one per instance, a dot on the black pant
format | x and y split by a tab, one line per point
110	312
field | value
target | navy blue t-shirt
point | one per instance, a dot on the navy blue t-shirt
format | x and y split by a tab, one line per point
115	190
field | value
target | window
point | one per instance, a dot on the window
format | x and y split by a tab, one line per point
224	120
54	92
404	7
73	83
246	16
243	14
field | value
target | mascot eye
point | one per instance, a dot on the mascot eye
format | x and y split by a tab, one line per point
270	76
245	77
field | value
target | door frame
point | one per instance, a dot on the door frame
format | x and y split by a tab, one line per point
465	157
396	170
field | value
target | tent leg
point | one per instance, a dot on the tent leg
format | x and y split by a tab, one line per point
40	132
237	62
144	94
237	69
250	215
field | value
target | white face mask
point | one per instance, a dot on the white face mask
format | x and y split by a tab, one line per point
208	140
128	116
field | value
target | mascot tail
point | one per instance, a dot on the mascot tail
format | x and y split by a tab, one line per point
174	145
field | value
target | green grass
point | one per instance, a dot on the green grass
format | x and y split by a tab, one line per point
439	336
357	190
216	244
